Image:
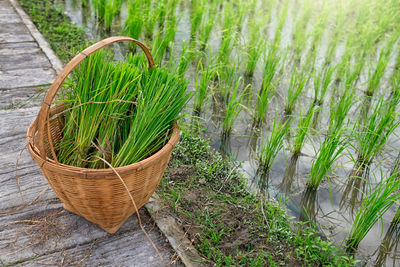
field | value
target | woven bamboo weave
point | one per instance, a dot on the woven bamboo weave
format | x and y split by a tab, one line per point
95	194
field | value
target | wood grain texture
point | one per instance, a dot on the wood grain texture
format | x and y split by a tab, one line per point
44	231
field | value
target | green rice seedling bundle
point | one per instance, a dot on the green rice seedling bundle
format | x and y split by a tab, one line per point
377	74
204	77
281	22
299	32
184	59
171	24
339	110
196	15
161	13
317	33
149	18
233	107
207	23
119	112
375	131
297	83
322	80
270	146
111	8
134	23
262	103
255	49
328	153
302	128
377	201
100	8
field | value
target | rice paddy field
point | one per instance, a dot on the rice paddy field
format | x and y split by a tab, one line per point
303	95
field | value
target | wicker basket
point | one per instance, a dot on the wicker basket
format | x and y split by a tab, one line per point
98	195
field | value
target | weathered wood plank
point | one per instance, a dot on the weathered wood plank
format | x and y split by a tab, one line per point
13	126
22	97
45	229
18	48
22	61
26	77
14	32
127	249
6	7
9	18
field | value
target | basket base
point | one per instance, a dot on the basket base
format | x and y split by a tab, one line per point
110	230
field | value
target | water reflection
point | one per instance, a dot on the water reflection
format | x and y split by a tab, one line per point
287	181
355	189
308	206
225	145
390	243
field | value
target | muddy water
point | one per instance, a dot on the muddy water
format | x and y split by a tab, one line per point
333	206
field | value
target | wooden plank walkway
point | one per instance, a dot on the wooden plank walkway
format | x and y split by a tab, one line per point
34	228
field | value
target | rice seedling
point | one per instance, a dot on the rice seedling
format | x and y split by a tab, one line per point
267	90
255	49
233	107
134	23
375	131
227	45
159	48
322	81
100	8
302	129
207	24
161	13
299	32
377	201
281	22
272	144
184	60
297	83
328	153
130	111
171	24
196	15
376	76
262	102
111	8
149	18
340	109
204	78
316	35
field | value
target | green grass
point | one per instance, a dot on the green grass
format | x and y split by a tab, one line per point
224	216
55	27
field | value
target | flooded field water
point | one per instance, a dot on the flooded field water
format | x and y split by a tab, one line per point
334	204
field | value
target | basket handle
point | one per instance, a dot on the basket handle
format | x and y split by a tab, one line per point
43	115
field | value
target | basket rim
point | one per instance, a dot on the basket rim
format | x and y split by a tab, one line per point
144	163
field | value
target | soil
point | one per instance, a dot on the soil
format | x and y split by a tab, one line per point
244	235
